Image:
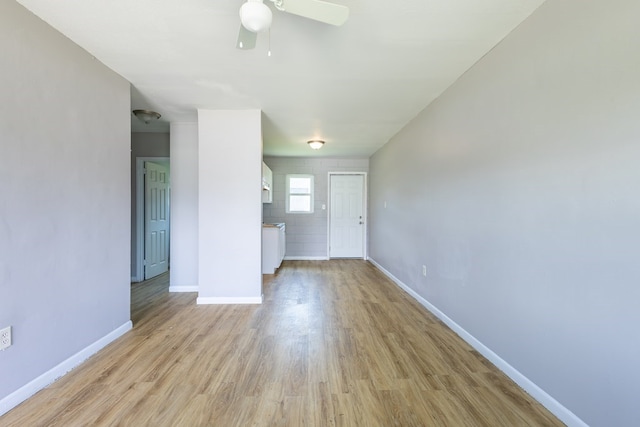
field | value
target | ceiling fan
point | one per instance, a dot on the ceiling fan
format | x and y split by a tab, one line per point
255	16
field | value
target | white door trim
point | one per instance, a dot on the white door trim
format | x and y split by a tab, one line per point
139	261
364	212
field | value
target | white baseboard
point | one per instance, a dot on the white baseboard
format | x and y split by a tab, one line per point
306	258
34	386
564	414
229	300
183	288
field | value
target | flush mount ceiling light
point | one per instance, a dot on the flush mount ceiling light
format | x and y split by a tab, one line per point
255	16
146	115
316	144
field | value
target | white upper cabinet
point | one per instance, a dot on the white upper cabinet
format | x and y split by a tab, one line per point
267	184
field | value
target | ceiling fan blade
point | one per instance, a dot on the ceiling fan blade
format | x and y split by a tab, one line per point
246	39
318	10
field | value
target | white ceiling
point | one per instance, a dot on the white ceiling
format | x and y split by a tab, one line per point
354	86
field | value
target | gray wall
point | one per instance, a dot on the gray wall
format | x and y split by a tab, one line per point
64	182
306	233
519	189
143	144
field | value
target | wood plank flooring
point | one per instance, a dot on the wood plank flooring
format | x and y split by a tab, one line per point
335	343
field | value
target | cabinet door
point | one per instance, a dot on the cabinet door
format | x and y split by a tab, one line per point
267	184
270	237
282	241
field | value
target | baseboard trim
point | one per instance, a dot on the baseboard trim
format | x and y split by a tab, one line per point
560	411
49	377
306	258
183	289
228	300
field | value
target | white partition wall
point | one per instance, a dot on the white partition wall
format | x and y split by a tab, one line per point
183	275
229	206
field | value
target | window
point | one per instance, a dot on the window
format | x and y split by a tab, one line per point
299	193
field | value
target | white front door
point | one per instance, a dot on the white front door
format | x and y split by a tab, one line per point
346	216
156	219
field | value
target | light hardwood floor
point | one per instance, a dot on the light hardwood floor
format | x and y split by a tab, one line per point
335	343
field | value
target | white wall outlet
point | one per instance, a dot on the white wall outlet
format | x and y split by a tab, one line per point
424	270
5	337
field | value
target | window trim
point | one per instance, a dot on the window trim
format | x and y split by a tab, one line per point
288	194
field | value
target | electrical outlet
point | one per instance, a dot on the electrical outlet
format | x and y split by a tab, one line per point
5	338
424	270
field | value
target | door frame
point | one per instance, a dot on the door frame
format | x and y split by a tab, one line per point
365	203
139	254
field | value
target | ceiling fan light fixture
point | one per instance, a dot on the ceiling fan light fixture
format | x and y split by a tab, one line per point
146	115
255	16
316	144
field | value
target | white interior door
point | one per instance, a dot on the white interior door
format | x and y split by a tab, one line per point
346	216
156	219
